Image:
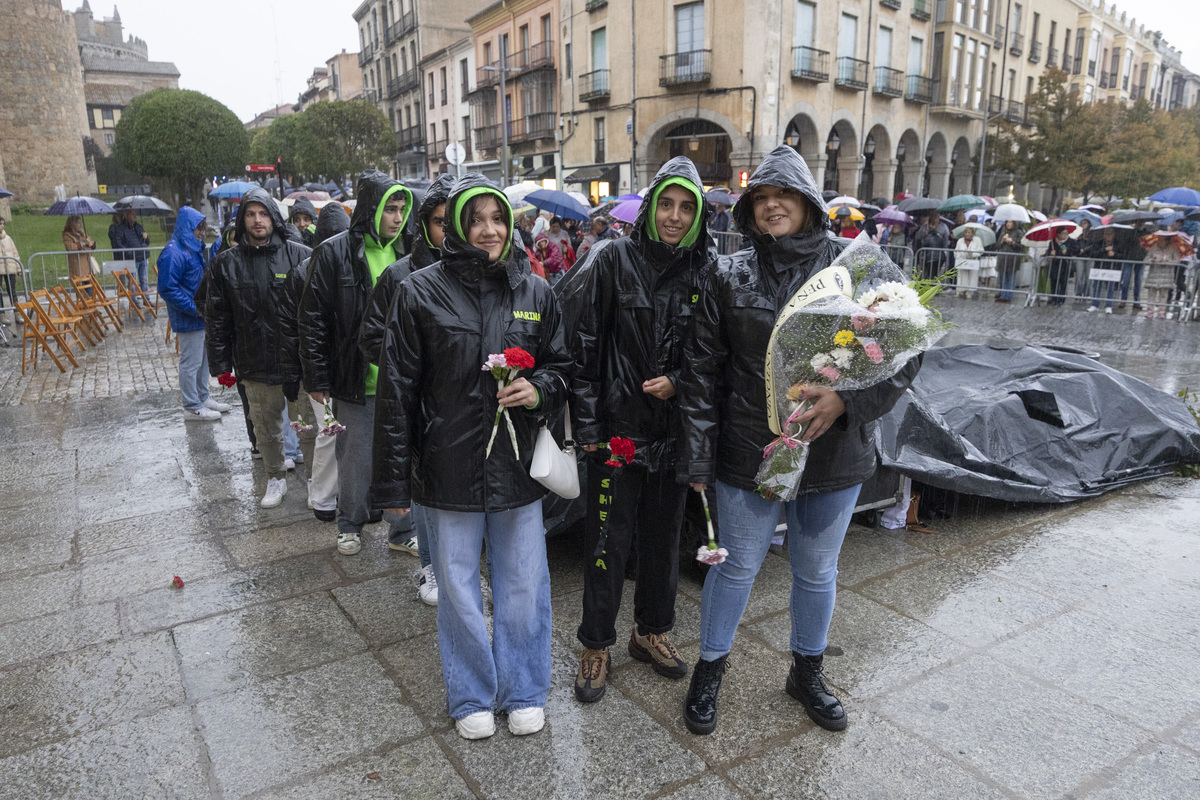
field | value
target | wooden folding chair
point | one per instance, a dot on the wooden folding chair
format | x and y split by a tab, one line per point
91	294
70	324
38	332
127	287
91	316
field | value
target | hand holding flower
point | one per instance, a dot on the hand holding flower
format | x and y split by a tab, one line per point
826	407
518	393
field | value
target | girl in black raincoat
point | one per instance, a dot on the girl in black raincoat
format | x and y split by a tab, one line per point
435	411
723	397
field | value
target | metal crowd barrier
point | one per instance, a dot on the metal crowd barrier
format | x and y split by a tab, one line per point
901	256
1105	283
1004	276
52	266
728	242
7	304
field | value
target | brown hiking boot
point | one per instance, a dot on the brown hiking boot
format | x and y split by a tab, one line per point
592	678
657	650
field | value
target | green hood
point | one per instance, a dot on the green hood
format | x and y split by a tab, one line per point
459	203
693	233
408	204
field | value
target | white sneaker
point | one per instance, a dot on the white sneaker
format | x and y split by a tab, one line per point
289	464
1108	310
308	488
1092	308
217	406
426	585
205	414
348	543
276	489
479	725
525	721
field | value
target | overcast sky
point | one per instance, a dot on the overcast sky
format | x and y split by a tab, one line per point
234	50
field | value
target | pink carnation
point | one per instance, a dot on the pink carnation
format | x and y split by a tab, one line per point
831	373
861	323
874	352
711	557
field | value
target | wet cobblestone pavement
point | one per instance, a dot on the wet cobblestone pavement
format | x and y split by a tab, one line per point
1042	652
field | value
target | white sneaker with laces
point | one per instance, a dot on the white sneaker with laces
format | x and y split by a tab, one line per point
289	464
276	489
348	543
1108	310
479	725
427	590
217	405
525	721
205	414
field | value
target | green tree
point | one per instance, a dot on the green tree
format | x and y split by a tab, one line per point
343	137
281	139
1149	149
179	137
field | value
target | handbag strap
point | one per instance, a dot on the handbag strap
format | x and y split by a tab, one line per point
569	434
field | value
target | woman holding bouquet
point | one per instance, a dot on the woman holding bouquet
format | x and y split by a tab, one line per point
723	398
436	409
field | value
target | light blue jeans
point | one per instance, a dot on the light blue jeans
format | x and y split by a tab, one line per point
193	370
291	441
513	670
816	527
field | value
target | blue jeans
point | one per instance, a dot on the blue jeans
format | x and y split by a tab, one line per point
1132	273
816	527
291	442
421	529
513	670
193	370
143	274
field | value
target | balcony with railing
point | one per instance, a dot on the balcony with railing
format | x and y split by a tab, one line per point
1068	63
533	126
680	69
488	75
488	137
998	35
1052	57
536	56
403	83
920	10
593	5
411	138
852	73
406	24
1035	52
366	54
810	64
995	104
1015	112
920	89
893	4
593	86
1103	79
1017	45
889	82
435	149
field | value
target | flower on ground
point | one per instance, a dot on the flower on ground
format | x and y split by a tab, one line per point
177	582
843	338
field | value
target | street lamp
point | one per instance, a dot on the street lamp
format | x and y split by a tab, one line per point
504	69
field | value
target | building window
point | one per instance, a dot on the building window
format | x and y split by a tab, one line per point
567	60
598	139
985	16
524	37
960	11
689	27
547	31
599	49
883	47
969	70
446	131
464	75
955	78
487	54
1093	50
108	139
466	132
407	117
431	91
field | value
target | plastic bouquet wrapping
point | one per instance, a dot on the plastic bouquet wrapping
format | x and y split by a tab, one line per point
853	324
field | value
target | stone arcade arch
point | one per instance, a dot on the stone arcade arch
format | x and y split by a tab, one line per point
910	169
654	148
937	168
960	168
879	165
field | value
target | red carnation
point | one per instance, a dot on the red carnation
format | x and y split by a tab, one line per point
177	582
622	451
227	379
518	358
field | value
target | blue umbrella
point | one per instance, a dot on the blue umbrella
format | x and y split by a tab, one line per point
1078	215
1177	196
233	189
80	204
560	204
5	193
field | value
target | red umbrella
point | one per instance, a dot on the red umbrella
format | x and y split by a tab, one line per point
903	196
1045	231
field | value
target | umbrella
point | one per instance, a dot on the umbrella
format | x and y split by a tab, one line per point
5	193
961	202
828	195
846	211
904	196
517	191
717	196
1048	230
557	203
1177	196
1039	216
145	205
1078	215
627	211
321	195
582	198
978	215
845	200
233	189
919	205
79	205
1006	211
1178	239
272	184
1193	214
623	198
882	202
991	201
869	210
983	232
1133	216
893	216
1094	208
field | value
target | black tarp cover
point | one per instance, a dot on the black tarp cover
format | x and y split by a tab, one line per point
1028	424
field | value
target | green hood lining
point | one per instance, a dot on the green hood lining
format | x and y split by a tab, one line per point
693	233
461	201
408	202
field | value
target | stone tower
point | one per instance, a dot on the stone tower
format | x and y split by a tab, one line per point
43	117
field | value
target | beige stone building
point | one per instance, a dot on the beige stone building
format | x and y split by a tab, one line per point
448	75
339	79
394	35
515	40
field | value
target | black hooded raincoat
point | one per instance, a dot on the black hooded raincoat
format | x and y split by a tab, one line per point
332	221
629	311
244	295
435	405
370	337
722	389
304	206
336	296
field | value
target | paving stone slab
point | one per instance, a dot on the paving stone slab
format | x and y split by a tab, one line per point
870	759
261	735
73	693
1167	772
153	565
1036	741
164	747
1151	606
173	528
416	664
708	787
867	553
386	610
58	633
26	597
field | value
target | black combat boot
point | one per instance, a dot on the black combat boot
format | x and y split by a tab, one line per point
806	684
700	705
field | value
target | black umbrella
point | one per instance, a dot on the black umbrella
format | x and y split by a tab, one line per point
882	202
1133	216
869	210
717	196
828	195
919	205
5	193
144	205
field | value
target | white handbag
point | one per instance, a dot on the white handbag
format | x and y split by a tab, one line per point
554	467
